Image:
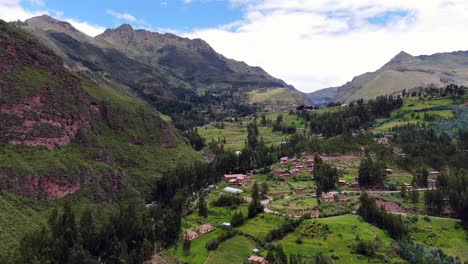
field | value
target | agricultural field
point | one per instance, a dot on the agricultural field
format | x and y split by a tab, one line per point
295	203
414	111
335	238
444	233
236	135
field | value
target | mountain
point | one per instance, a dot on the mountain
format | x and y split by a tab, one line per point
405	71
322	97
61	132
63	135
170	72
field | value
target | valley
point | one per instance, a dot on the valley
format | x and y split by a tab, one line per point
140	147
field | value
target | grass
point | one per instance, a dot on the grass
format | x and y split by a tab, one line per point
261	225
275	96
339	243
198	252
443	233
296	203
236	136
414	111
233	250
398	176
289	120
412	103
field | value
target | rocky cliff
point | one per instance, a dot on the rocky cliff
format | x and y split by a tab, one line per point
61	133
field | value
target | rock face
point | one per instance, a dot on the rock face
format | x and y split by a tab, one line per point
41	103
62	133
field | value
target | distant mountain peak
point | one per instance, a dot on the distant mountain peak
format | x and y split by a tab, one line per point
124	27
402	55
42	20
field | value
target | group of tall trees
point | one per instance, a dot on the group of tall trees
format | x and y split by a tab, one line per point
371	172
358	115
452	192
255	205
369	211
126	236
325	176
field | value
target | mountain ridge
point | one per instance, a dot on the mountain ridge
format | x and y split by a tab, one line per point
175	70
405	71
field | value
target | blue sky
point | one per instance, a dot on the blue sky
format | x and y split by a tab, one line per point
310	44
154	14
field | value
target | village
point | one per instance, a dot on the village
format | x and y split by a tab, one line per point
292	194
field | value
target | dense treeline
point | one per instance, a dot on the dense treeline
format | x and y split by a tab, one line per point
424	147
197	142
451	90
126	236
358	115
416	253
452	191
369	211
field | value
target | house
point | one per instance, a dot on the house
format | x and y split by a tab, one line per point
190	235
232	190
328	197
434	173
212	187
408	186
226	225
342	183
205	228
236	179
431	184
257	259
388	171
256	251
284	160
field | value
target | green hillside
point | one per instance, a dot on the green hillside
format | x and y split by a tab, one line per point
121	147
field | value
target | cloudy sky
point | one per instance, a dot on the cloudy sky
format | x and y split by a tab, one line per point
310	44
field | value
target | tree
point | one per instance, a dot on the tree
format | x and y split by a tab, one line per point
237	219
202	209
252	134
186	246
255	205
371	173
326	177
403	192
264	188
279	119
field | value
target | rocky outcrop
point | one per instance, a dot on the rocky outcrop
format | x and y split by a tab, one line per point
36	126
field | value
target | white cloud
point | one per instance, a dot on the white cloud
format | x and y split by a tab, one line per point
124	16
85	27
37	2
314	44
12	10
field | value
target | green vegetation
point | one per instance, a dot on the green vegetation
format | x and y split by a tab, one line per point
443	233
279	96
233	250
338	240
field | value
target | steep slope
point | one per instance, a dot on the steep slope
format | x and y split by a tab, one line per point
170	72
193	61
60	133
322	97
405	71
